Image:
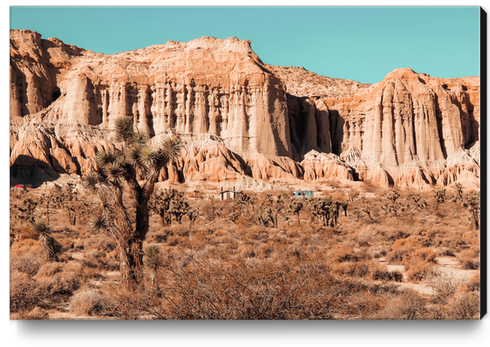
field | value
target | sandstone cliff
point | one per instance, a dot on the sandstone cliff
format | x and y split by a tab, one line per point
238	116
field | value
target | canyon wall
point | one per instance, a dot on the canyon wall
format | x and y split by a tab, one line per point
239	116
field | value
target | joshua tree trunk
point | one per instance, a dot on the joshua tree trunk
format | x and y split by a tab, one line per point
131	266
474	220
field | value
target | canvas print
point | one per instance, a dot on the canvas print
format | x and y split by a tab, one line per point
243	163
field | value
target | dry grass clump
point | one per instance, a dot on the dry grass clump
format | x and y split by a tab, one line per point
36	313
469	259
408	305
28	263
90	302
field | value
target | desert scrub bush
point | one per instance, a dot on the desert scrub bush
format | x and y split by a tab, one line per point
25	246
381	273
444	282
469	259
464	305
49	269
36	313
405	306
239	289
89	302
28	263
24	294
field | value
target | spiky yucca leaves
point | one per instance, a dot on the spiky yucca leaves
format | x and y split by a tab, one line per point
97	222
90	180
48	244
103	158
124	129
171	148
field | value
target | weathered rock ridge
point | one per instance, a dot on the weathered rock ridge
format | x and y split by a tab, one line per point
238	116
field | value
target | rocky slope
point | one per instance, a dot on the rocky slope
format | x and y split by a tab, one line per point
238	116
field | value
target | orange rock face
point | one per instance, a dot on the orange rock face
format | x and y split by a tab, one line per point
238	116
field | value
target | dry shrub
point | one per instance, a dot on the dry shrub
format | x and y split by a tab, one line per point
473	283
407	306
28	263
90	302
239	289
350	254
59	286
24	295
99	243
464	305
469	259
444	282
25	246
56	283
36	313
26	232
447	252
418	271
49	269
381	273
425	254
265	250
95	259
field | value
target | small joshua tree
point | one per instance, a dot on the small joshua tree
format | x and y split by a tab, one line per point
48	244
152	261
472	202
419	203
160	204
440	196
458	194
295	207
192	213
178	207
26	209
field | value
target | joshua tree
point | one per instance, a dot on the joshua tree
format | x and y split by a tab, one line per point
51	199
269	210
295	207
68	196
160	204
178	207
472	203
458	194
136	162
326	209
366	209
440	196
48	244
192	213
26	209
246	201
152	261
344	204
420	204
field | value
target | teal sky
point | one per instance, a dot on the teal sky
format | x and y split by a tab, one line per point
359	43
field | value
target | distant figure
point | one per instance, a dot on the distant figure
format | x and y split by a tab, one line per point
273	182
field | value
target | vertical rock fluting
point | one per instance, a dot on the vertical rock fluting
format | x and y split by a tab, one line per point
411	124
